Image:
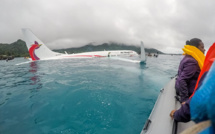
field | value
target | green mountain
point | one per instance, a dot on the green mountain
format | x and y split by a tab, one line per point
16	49
19	49
107	46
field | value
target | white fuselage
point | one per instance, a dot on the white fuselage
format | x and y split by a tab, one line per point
116	53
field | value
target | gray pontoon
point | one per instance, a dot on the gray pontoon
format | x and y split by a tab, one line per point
159	121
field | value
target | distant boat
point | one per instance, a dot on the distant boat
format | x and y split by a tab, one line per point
5	57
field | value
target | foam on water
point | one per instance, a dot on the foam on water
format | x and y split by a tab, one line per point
80	95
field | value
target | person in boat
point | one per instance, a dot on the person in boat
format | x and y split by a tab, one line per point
206	103
189	64
202	104
183	113
189	68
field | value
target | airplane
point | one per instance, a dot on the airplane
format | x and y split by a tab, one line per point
39	51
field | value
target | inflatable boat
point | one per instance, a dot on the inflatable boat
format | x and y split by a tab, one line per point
159	121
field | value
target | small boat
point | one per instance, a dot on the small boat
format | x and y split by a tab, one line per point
159	121
26	57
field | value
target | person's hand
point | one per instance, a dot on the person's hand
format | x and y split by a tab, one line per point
183	102
172	113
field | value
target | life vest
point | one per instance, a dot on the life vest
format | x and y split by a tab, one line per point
195	53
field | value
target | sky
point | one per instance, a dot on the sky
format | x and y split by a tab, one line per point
161	24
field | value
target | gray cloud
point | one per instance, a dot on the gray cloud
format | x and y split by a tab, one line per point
164	25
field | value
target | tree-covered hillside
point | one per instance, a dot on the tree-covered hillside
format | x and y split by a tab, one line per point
16	49
107	46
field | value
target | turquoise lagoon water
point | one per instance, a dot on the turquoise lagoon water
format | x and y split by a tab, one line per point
80	96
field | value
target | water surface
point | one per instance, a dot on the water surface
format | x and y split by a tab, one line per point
80	96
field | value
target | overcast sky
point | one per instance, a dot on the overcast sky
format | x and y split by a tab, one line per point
161	24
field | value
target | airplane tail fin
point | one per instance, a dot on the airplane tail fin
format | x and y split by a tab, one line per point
37	49
143	55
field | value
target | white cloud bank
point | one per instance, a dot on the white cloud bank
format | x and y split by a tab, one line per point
164	25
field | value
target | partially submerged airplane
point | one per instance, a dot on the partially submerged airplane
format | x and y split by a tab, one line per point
39	51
